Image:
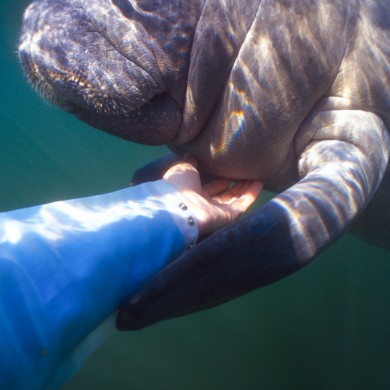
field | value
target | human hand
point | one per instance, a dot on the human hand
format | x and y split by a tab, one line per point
215	204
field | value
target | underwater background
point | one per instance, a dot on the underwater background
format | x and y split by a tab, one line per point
326	327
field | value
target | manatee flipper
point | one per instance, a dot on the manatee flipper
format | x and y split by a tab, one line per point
339	176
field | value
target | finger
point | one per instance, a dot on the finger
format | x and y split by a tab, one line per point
184	177
179	168
233	193
242	203
216	187
225	213
229	193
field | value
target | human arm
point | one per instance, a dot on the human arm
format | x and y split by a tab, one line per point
66	266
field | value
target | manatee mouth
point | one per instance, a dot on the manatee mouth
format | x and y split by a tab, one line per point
74	64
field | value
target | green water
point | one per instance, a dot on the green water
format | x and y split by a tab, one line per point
327	327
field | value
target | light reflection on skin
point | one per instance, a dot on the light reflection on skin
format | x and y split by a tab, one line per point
338	178
308	229
233	128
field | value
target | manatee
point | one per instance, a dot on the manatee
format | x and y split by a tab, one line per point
293	93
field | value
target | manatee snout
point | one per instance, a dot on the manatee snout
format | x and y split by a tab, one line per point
74	65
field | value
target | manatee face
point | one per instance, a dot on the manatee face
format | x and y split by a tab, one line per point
156	74
111	64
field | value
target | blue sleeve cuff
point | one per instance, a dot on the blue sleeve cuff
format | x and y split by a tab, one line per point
66	266
181	213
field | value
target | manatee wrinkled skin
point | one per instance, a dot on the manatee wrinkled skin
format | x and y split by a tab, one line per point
294	93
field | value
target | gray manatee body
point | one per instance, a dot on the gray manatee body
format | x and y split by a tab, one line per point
294	93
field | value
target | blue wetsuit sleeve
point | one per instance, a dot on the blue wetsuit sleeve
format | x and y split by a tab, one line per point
66	266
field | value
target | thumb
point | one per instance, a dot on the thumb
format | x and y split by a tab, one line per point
184	177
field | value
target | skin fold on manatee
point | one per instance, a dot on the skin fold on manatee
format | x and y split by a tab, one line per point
293	93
